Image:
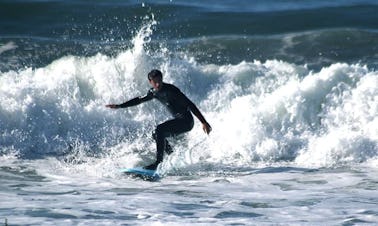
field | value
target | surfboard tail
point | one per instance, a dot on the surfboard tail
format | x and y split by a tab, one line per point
139	172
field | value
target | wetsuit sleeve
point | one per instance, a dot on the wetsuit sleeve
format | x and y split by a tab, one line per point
137	100
192	107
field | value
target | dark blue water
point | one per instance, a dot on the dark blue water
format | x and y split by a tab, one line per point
315	33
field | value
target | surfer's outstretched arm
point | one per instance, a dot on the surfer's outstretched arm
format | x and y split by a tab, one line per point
205	125
133	102
193	108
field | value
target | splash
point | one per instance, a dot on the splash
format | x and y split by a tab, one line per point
47	110
268	112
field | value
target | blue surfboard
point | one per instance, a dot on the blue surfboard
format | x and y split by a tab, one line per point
145	174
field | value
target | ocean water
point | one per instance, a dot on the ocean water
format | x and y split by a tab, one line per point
289	87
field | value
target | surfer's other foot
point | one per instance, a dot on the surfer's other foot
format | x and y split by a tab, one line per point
152	166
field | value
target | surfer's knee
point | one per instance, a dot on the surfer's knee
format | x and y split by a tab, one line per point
158	133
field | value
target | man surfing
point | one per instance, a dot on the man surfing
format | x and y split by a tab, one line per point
178	105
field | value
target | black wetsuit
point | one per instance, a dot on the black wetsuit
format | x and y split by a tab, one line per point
179	106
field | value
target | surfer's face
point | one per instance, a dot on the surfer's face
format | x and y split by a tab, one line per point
156	83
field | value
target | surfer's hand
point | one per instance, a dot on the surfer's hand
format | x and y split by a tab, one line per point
114	106
206	127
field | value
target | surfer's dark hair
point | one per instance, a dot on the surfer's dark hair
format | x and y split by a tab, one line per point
155	73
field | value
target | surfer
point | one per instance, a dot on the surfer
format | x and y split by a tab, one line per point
178	105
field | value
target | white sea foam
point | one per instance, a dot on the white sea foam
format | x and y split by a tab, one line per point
261	112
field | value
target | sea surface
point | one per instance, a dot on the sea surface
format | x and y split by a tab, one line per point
289	87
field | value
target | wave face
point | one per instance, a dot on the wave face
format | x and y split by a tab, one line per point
313	33
270	112
281	82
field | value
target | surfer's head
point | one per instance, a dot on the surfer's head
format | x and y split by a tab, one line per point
155	73
155	77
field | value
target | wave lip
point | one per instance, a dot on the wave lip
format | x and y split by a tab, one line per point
262	112
287	113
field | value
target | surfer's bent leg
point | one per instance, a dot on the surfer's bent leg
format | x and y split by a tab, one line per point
167	146
169	128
